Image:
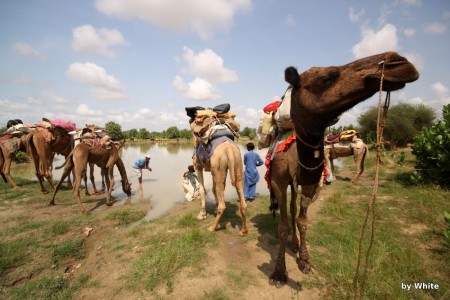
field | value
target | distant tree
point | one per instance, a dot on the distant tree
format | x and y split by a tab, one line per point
155	135
172	132
248	132
403	123
114	130
185	133
432	150
130	134
143	134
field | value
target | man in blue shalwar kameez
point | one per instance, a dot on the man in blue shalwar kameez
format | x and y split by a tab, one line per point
251	161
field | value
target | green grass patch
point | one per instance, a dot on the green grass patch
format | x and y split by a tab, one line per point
59	227
44	288
126	216
167	255
13	253
72	248
395	257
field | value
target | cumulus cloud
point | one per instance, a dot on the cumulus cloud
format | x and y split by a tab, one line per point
355	16
25	49
373	41
84	110
208	65
103	85
198	89
435	28
203	18
99	41
208	68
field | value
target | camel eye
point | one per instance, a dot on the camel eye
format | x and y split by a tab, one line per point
328	80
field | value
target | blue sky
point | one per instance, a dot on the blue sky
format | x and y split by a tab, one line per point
141	62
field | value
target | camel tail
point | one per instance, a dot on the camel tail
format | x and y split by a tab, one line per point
233	166
65	162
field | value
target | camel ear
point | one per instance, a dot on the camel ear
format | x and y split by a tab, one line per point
292	77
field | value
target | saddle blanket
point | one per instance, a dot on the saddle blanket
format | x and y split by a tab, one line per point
205	151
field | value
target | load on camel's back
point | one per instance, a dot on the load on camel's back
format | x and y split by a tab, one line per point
214	131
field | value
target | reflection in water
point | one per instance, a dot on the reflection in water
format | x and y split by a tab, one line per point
162	188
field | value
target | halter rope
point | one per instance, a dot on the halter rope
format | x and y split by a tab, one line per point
381	121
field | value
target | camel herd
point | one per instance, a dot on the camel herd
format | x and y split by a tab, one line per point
319	96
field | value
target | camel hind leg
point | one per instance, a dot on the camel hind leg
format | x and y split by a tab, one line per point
219	195
359	156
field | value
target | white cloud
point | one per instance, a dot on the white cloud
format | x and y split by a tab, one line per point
88	39
198	89
439	89
25	49
355	16
435	28
104	86
416	59
409	32
208	65
374	42
84	110
203	17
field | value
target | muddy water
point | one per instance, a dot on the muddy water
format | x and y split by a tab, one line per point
161	189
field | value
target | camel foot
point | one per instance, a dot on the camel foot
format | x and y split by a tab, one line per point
278	280
16	187
52	203
201	215
243	232
212	228
44	192
305	266
109	203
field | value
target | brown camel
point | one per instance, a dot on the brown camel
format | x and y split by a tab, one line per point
319	96
356	148
226	156
103	157
97	132
42	151
7	156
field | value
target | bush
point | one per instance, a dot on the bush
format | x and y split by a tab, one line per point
432	150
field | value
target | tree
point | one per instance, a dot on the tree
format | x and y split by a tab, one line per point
172	132
404	121
185	133
248	132
114	130
130	134
432	150
143	134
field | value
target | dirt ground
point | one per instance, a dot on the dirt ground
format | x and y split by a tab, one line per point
109	270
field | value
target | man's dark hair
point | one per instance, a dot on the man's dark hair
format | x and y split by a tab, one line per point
191	168
250	146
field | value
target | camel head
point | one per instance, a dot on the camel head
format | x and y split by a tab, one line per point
322	94
126	187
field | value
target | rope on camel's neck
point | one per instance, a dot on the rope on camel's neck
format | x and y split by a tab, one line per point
370	213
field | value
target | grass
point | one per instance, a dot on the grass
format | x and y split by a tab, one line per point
167	254
126	216
395	257
72	248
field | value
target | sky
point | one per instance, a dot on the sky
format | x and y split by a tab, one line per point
139	63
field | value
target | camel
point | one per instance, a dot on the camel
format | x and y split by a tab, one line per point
7	156
94	129
357	148
226	156
103	157
319	96
42	152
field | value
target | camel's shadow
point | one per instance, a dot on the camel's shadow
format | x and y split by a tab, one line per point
231	216
267	226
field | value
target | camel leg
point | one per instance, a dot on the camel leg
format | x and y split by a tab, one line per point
242	207
67	169
279	275
218	190
39	176
86	190
309	195
359	157
6	169
199	171
80	165
110	185
293	209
